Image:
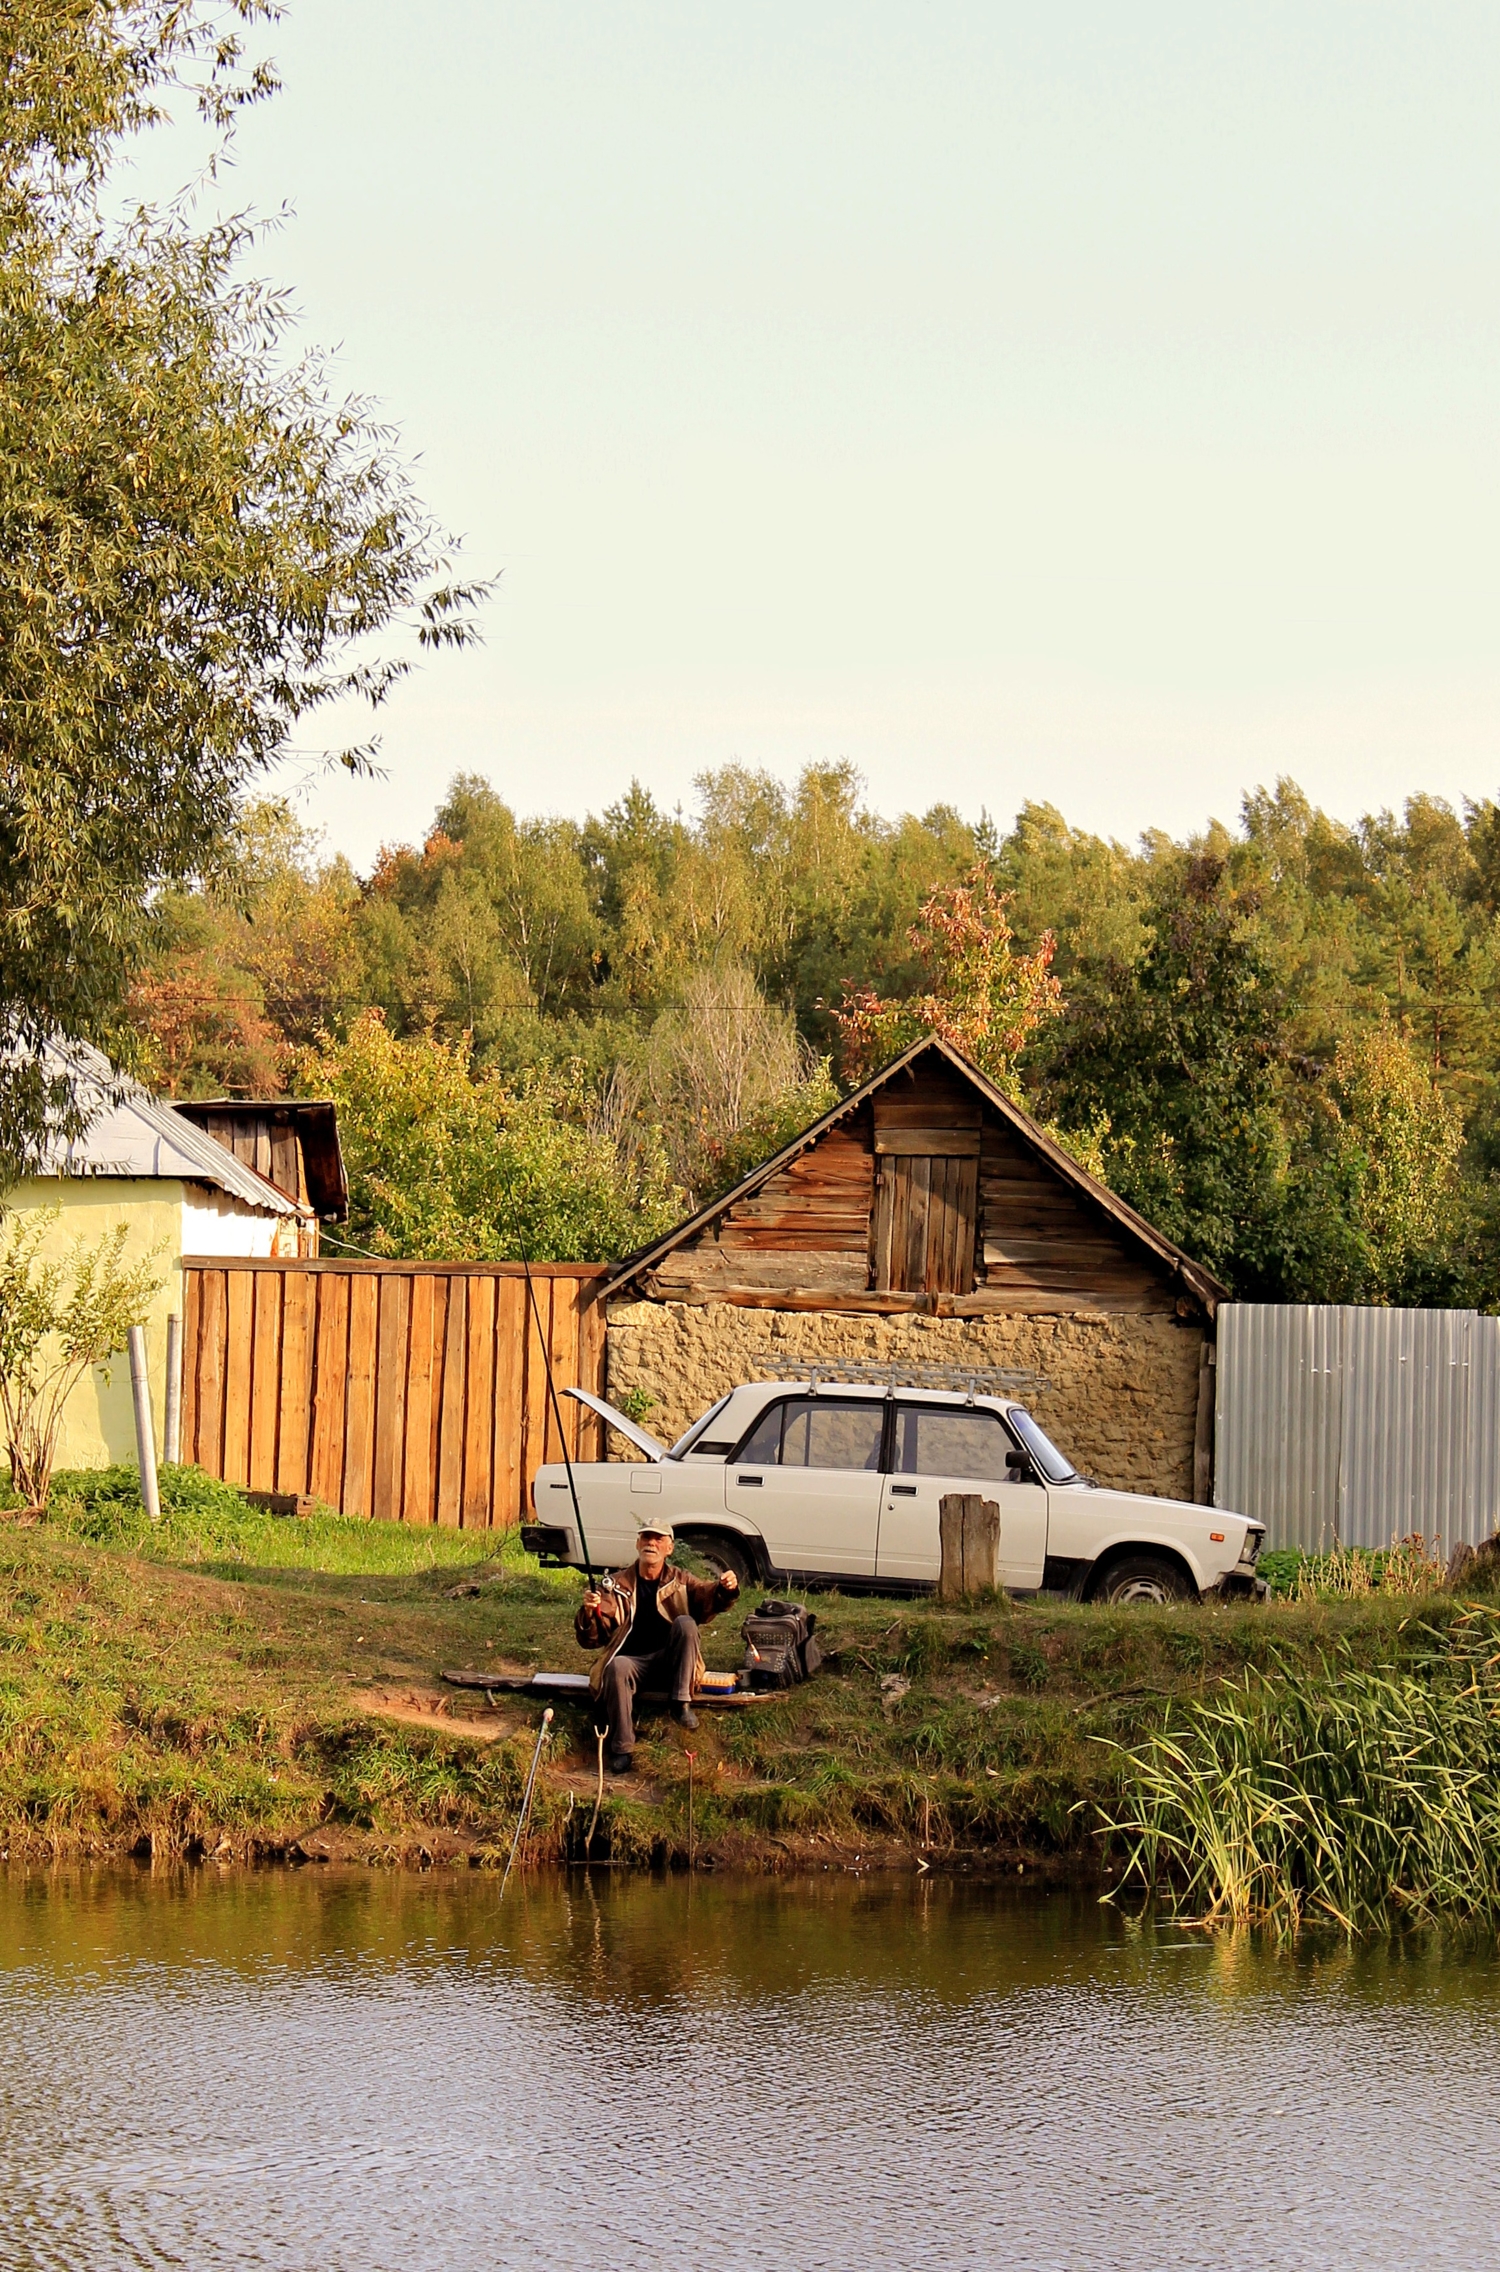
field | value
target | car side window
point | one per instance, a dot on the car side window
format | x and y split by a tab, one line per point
817	1431
762	1447
930	1441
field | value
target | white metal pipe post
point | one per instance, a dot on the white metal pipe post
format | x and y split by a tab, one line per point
171	1450
145	1435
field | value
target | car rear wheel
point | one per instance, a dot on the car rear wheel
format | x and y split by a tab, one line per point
1145	1577
718	1554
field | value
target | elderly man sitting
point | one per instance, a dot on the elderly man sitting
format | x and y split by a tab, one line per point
646	1618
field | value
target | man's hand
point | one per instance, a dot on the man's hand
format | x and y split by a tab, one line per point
729	1582
592	1600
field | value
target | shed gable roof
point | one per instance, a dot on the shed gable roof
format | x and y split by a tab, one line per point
1168	1256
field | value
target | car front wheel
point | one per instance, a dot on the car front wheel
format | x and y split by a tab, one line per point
1145	1577
719	1555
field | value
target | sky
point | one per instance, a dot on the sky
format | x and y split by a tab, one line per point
1074	402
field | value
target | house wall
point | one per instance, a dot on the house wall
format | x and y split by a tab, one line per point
98	1428
215	1223
1122	1400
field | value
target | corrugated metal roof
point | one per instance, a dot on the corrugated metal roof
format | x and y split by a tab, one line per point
1359	1425
133	1134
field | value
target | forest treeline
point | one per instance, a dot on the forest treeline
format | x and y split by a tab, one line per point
1277	1040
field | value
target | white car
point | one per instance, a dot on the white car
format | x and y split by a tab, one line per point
797	1482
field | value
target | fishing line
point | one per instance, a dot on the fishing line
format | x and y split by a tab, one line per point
557	1417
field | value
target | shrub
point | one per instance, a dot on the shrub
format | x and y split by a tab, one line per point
58	1316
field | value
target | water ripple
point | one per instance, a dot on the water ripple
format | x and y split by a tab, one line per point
301	2072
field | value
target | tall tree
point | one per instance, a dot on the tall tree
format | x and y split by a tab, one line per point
1179	1053
201	545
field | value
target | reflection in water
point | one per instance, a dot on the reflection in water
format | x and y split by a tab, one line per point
396	2073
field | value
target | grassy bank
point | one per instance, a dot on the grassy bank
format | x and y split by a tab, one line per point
233	1685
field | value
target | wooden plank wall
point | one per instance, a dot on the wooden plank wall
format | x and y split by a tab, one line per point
808	1225
407	1392
265	1141
922	1194
1043	1248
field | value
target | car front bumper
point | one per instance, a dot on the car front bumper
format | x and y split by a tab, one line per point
551	1543
1238	1585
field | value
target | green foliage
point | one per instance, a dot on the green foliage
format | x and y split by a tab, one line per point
727	1079
446	1165
59	1315
241	974
1278	1042
201	546
1293	1176
1180	1051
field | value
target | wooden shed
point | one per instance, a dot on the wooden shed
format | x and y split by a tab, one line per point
925	1189
292	1141
928	1196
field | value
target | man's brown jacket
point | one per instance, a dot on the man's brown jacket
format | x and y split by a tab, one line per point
677	1595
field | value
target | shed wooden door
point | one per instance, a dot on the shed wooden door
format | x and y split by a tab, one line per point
926	1212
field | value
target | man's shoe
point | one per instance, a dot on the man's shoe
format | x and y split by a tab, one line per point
621	1762
684	1715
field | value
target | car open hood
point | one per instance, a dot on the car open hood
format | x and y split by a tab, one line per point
642	1438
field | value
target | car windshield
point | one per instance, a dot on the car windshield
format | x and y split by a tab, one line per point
685	1443
1046	1458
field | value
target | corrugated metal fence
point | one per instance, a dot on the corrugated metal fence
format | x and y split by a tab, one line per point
1359	1425
414	1392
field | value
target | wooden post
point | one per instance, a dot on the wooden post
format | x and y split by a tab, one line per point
145	1434
172	1425
969	1534
1203	1432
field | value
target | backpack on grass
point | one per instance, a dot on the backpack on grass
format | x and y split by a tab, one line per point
781	1648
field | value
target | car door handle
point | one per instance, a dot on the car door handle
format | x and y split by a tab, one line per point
752	1482
903	1490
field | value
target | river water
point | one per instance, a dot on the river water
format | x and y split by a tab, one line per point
396	2073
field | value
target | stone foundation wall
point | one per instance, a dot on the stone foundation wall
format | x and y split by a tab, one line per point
1123	1400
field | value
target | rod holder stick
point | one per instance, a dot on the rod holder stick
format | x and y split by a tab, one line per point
541	1737
171	1450
145	1434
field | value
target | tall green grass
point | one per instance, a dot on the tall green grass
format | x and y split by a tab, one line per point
1328	1792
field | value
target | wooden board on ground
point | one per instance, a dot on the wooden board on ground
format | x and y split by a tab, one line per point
575	1687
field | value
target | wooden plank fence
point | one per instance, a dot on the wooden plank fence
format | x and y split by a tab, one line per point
410	1392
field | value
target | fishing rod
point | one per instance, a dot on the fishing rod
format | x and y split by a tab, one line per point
561	1433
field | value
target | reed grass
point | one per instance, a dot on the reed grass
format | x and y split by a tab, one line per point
1410	1566
1333	1791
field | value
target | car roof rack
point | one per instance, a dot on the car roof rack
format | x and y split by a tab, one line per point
968	1380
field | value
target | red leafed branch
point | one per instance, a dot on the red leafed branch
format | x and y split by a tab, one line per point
983	998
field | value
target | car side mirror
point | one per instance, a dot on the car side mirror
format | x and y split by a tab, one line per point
1017	1468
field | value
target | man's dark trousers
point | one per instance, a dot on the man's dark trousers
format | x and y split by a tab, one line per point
670	1669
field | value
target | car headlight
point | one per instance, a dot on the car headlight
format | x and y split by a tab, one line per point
1254	1541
